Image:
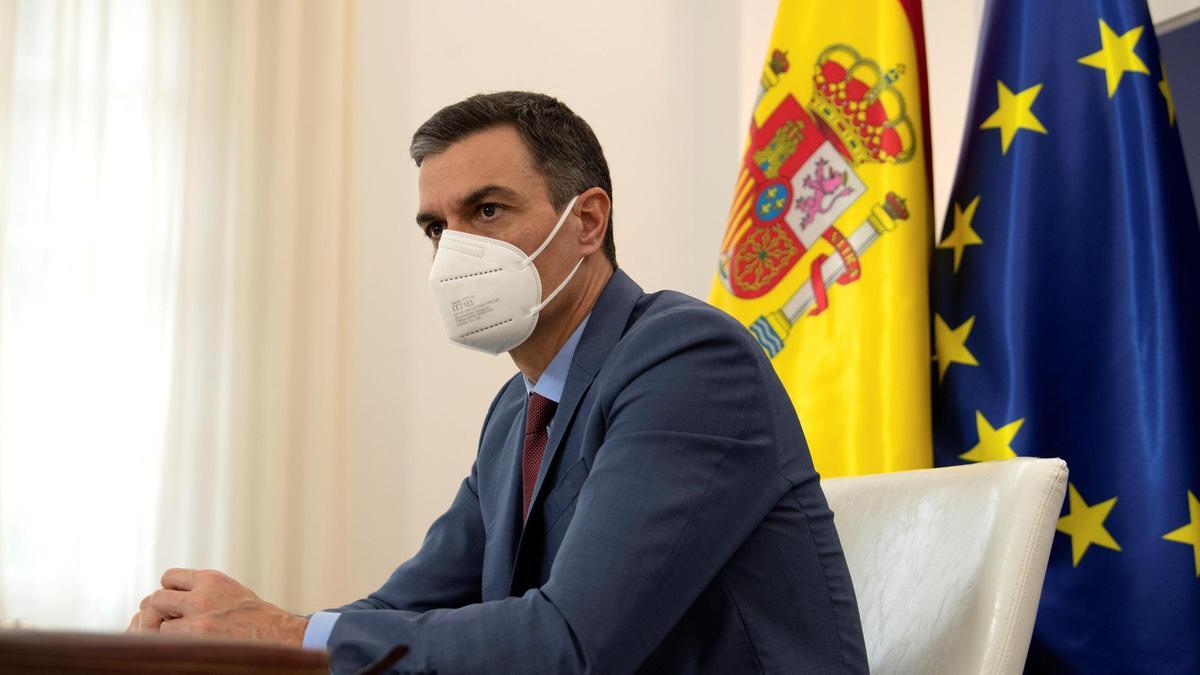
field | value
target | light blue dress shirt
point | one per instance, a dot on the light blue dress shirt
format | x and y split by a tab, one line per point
550	385
554	377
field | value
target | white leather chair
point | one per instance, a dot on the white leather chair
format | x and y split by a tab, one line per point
948	563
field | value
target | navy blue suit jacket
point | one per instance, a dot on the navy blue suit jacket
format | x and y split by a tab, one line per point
677	525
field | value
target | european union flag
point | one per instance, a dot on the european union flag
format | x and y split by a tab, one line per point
1066	302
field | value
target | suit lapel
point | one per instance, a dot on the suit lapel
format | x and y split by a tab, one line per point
605	327
508	521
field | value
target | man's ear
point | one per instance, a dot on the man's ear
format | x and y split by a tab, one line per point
593	207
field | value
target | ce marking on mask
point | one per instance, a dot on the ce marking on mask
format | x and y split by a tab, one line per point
466	310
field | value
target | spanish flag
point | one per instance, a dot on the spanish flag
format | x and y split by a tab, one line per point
827	246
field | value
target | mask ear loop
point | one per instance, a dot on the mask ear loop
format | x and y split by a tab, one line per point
550	237
558	290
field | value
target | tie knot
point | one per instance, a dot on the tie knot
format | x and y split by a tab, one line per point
541	409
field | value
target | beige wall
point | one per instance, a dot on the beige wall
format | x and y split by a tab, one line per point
667	87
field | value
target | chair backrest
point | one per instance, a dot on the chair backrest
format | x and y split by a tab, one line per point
948	563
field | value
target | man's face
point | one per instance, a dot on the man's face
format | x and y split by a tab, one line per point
486	184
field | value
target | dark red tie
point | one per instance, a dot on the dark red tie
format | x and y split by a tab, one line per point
537	416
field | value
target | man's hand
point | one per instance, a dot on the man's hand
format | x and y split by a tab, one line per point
206	602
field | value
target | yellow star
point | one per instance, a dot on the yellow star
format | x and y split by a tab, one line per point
993	443
952	344
1116	55
1014	114
1166	92
962	235
1085	525
1190	533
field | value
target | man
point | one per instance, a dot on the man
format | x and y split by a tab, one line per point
642	498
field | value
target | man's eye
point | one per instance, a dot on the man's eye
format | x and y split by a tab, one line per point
435	230
489	211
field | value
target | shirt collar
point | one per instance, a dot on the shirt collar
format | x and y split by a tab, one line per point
554	378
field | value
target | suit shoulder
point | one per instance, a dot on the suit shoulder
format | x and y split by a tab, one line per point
512	389
507	401
684	317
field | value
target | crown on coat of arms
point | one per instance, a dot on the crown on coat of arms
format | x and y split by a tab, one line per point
858	102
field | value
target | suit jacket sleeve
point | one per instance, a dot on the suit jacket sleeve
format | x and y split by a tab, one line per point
679	482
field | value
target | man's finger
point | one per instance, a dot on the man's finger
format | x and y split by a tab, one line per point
170	603
134	623
188	625
149	620
179	579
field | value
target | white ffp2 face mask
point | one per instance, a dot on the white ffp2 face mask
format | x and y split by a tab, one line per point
488	291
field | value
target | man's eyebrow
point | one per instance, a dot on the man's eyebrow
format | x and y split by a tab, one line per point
475	198
487	191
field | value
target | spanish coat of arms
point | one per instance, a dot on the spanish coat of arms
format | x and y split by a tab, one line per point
798	177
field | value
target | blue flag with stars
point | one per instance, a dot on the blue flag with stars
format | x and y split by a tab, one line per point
1066	303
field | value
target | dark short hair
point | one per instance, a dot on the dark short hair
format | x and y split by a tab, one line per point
564	148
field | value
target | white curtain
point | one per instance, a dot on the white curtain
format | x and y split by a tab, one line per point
173	225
